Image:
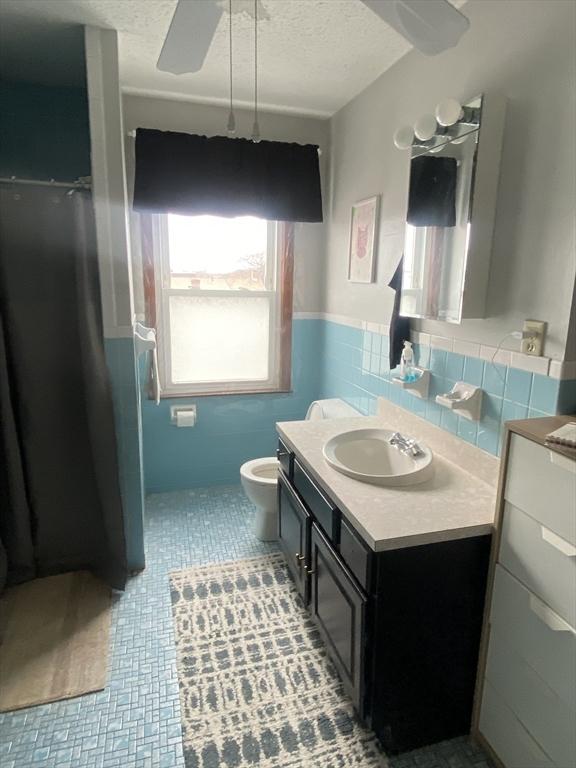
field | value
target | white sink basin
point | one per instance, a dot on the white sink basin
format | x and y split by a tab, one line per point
366	455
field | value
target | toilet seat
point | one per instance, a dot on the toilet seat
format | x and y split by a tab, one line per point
261	471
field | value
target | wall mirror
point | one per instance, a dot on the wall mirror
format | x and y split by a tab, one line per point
450	215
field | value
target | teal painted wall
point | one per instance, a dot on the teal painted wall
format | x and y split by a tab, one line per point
127	415
44	132
229	430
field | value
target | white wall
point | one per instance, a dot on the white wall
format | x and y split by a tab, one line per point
525	50
172	115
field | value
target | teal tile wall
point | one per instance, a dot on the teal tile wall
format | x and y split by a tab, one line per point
126	398
229	430
334	360
355	367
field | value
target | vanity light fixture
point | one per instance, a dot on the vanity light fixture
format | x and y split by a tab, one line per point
449	119
448	112
404	137
425	127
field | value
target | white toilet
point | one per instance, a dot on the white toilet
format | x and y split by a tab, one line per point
260	476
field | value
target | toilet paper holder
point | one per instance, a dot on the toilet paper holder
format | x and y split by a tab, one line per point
183	415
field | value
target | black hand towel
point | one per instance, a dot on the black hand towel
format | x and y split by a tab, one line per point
399	326
432	197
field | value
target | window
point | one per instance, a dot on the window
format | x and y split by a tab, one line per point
223	294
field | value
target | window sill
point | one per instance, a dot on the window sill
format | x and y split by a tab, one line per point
236	393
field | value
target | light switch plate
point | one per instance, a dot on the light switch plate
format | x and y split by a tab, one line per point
533	337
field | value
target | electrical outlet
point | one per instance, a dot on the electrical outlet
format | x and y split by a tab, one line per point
533	332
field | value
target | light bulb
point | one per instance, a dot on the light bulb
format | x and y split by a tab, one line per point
404	137
448	112
425	127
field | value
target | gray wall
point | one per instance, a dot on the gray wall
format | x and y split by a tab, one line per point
172	115
525	50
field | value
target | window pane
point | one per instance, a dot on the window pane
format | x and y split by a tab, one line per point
213	253
219	339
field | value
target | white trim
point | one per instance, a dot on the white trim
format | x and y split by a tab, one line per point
308	316
562	369
441	342
544	366
467	348
495	355
530	363
351	322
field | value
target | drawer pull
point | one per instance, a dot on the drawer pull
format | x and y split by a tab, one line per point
309	571
298	557
562	461
558	543
551	619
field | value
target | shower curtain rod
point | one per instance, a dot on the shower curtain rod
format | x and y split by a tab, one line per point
46	183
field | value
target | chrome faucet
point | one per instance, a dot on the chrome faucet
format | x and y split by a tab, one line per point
405	444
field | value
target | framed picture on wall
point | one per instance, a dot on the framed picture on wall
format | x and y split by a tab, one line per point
363	233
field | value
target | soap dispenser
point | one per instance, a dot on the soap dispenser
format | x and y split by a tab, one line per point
407	372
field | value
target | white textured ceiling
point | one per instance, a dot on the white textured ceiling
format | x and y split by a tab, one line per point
315	55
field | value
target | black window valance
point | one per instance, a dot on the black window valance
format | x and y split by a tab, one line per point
192	175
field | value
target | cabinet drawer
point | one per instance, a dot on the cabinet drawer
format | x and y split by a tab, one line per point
543	488
507	736
542	561
285	458
548	719
322	509
354	553
544	640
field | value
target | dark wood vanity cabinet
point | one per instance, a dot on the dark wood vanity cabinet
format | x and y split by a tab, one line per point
402	627
338	607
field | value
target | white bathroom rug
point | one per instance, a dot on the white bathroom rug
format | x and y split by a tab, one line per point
256	687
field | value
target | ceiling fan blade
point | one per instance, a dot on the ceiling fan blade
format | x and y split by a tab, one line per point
431	26
189	36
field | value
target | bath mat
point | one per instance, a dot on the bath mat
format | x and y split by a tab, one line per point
256	687
53	640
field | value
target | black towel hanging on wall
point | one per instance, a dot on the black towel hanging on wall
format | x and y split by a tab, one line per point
193	175
399	326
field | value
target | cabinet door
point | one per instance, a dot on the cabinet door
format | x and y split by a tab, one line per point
294	534
339	607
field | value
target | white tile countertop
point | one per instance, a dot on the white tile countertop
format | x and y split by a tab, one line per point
457	502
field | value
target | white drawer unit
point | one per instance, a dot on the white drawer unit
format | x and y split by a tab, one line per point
538	634
549	720
543	484
526	696
541	560
507	736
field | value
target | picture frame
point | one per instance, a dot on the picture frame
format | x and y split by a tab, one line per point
363	239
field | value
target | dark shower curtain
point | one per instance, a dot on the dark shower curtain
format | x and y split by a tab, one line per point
60	506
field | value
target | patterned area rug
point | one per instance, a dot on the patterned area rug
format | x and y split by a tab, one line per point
256	687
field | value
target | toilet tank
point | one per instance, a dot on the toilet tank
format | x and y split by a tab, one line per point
333	408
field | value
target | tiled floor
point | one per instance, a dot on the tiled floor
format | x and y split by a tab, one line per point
135	722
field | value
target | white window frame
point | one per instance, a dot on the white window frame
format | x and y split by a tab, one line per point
164	291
